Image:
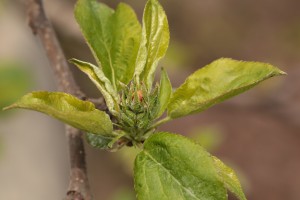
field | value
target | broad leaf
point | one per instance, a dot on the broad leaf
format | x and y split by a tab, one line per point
173	167
113	36
165	91
155	41
229	178
79	114
100	80
217	82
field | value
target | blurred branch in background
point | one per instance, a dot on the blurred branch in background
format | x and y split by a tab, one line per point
41	27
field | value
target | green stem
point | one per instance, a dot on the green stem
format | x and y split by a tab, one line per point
160	122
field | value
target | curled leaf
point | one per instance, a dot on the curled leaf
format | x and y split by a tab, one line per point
101	82
229	178
165	91
154	43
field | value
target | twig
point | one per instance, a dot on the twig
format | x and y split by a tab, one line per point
41	27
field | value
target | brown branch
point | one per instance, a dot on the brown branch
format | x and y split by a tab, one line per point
41	27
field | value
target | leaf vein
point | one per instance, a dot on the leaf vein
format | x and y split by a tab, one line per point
191	193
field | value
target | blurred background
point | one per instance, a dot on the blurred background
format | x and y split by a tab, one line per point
256	133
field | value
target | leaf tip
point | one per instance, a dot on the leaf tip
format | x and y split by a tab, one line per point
282	73
9	107
72	60
278	72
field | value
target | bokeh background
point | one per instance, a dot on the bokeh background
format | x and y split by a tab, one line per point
256	133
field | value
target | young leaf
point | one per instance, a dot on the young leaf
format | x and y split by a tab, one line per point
217	82
100	80
114	37
98	141
173	167
67	108
229	178
165	92
155	41
104	142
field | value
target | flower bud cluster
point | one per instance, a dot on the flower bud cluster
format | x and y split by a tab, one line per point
138	109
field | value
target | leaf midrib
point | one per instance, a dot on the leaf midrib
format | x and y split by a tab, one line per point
205	105
159	34
106	47
176	180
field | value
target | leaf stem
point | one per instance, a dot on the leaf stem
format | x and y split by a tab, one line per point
160	122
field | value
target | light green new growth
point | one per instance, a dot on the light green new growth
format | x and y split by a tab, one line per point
102	83
169	166
217	82
155	41
113	37
165	92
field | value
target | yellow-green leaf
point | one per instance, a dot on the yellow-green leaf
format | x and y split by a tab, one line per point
100	80
67	108
229	178
165	91
217	82
154	43
173	167
113	36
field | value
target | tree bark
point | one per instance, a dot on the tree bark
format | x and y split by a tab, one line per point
41	27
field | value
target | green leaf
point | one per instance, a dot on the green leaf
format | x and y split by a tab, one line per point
229	178
173	167
104	142
217	82
113	36
67	108
101	82
165	92
154	43
98	141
